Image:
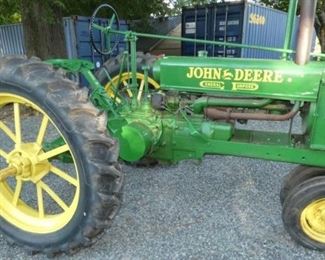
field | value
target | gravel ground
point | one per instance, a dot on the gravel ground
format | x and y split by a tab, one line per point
221	208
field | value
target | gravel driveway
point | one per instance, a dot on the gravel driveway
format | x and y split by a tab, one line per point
221	208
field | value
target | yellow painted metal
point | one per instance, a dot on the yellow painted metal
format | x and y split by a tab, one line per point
64	176
31	165
5	173
124	79
312	220
57	151
7	131
3	154
141	88
40	200
19	186
42	130
17	123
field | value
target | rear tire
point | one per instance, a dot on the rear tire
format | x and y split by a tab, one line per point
95	155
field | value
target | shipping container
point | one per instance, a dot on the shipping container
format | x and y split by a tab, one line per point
78	45
76	30
240	22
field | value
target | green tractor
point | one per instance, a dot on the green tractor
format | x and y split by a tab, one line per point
60	178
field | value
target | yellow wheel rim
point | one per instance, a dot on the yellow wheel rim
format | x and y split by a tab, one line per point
313	220
28	165
111	86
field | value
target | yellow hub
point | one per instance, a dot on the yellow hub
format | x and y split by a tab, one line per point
312	220
26	161
28	164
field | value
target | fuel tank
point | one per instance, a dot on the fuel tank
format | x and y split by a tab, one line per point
276	79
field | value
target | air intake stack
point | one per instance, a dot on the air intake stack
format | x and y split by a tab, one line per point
306	30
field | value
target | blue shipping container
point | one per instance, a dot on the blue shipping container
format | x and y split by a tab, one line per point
76	30
243	22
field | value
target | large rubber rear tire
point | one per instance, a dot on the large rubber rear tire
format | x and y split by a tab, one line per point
95	155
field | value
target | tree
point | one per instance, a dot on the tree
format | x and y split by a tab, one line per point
128	9
9	11
179	4
320	23
320	17
42	23
42	19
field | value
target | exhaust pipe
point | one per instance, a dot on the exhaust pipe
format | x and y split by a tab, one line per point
306	31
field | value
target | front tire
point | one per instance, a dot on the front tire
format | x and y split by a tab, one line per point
304	213
296	177
73	203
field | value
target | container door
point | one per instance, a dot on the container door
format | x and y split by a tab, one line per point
195	24
226	26
78	40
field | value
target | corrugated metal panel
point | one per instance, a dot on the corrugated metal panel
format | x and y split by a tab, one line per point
11	40
227	26
242	22
263	26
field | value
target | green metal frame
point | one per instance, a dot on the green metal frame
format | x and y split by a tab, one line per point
181	130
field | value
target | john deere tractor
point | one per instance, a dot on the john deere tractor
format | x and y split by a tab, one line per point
62	144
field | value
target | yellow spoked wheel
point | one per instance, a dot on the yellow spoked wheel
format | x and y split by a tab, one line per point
28	163
313	220
118	86
123	88
304	213
60	181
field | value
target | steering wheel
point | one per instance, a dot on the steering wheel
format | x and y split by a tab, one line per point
104	30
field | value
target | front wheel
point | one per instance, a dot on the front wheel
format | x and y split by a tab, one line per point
109	76
304	213
298	175
47	205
